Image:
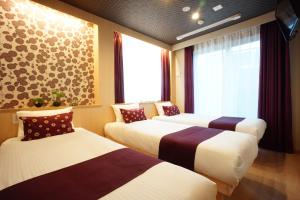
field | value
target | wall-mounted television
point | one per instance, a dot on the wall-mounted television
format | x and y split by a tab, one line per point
287	15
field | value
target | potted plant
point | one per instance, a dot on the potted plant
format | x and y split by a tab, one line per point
38	102
74	102
56	97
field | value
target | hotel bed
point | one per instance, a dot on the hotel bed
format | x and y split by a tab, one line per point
83	165
253	126
224	158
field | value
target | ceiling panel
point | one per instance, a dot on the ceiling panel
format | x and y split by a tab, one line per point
164	19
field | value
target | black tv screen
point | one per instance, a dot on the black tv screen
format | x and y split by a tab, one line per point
286	15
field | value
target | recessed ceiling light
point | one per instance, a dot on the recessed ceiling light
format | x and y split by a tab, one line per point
200	21
195	16
217	8
186	9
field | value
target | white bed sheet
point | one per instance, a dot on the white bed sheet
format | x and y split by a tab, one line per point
253	126
20	161
225	157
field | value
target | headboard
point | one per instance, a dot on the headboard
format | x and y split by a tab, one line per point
92	118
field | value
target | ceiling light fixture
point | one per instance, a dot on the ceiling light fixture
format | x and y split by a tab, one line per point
217	8
200	21
186	9
195	16
232	18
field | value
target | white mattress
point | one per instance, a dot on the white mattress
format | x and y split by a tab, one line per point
20	161
253	126
225	157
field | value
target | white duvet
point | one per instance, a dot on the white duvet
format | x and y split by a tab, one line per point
20	161
253	126
225	157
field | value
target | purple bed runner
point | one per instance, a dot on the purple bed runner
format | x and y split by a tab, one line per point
89	180
180	147
225	123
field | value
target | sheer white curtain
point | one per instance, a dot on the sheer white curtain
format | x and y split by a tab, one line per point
142	70
226	74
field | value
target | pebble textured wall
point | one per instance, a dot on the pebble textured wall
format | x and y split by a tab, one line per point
42	50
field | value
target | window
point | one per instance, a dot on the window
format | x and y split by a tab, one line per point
226	75
142	70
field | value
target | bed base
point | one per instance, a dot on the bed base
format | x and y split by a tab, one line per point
220	196
224	189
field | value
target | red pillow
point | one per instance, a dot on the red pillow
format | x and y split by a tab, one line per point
133	115
46	126
171	110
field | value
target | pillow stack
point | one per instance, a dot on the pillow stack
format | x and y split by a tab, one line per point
129	113
40	124
171	110
166	108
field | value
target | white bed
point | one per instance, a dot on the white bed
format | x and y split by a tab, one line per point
20	161
253	126
225	157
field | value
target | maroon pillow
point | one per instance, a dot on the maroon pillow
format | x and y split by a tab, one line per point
133	115
171	110
46	126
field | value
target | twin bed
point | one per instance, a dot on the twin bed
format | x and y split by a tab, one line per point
83	165
255	127
252	126
225	157
41	163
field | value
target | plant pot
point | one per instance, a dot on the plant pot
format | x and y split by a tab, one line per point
56	103
38	105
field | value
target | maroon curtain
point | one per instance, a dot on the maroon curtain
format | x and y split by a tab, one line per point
165	78
188	80
119	80
274	89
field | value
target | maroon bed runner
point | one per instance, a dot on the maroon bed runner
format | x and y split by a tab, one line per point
89	180
180	147
225	123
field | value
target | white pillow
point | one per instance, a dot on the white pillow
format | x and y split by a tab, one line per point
39	113
116	108
159	107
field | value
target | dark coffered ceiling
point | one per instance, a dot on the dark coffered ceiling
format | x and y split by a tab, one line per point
164	19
